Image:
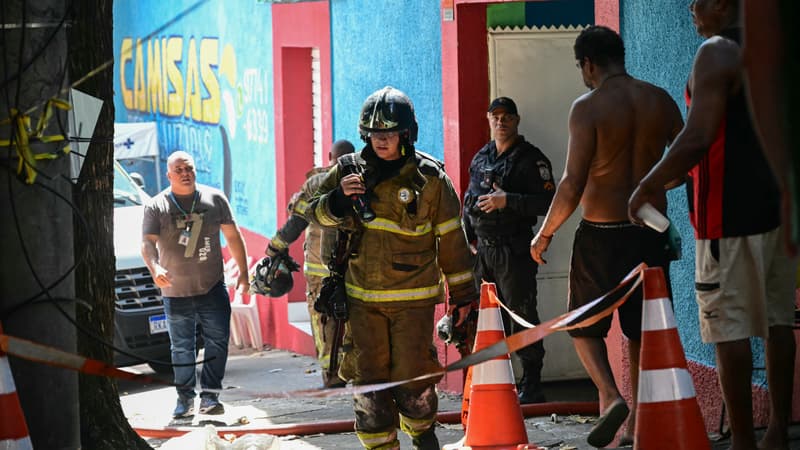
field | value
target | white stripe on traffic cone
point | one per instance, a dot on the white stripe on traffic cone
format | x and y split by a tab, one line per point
13	429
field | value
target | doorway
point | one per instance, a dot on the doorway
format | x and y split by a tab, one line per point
536	68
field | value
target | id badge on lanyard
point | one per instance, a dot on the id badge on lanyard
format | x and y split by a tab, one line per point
186	234
190	225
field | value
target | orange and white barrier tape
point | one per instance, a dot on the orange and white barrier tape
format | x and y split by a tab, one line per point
581	317
25	349
578	318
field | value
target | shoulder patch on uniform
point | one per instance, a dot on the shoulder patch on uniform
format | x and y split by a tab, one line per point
405	195
544	170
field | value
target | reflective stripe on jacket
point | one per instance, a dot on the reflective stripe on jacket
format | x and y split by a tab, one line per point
409	250
319	241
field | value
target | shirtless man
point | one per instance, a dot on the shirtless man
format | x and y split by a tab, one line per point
744	279
617	132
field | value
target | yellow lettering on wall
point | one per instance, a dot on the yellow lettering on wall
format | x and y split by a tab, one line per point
209	59
139	88
155	87
173	56
193	89
125	57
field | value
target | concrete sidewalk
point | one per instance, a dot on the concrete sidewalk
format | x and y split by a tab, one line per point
250	373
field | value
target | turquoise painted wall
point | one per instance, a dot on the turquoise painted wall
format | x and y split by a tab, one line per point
661	41
214	85
376	43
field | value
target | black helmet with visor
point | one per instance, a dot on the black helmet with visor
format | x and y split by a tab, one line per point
385	110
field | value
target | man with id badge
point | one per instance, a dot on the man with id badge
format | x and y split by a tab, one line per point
181	247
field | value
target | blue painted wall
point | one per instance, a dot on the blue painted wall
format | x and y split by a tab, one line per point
376	43
661	41
216	77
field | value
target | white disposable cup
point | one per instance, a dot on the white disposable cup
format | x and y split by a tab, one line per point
653	218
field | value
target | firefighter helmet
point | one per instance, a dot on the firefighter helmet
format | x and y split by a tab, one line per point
388	109
273	275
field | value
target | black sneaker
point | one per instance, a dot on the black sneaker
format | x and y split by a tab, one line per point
426	440
211	406
528	395
184	407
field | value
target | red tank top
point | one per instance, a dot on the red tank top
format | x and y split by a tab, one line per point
732	191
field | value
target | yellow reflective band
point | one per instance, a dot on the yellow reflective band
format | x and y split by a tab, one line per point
458	278
414	427
394	227
301	206
377	440
323	215
316	270
448	226
278	243
393	295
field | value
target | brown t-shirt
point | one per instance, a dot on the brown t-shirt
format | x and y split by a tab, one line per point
197	266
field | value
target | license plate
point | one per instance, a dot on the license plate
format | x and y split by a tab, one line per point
158	324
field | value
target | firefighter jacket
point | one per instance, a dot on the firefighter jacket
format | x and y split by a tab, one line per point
416	241
526	175
319	240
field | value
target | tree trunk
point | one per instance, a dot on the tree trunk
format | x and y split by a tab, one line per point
103	424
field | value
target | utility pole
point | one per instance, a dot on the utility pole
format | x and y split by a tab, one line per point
36	231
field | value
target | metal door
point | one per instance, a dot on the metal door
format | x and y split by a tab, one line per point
536	68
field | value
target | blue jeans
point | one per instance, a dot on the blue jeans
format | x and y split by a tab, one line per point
213	312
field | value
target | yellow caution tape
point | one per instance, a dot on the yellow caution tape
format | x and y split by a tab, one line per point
23	135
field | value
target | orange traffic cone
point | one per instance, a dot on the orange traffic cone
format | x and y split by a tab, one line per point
13	429
667	416
494	419
465	398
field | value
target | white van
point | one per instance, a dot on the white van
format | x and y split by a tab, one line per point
139	319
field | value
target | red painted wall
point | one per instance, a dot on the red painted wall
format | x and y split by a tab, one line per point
297	28
606	12
465	89
276	331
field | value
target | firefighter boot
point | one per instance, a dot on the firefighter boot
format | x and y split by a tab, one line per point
426	440
530	386
332	381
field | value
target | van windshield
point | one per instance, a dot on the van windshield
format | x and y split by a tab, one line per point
126	192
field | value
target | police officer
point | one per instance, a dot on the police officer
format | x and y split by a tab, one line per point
511	182
407	213
317	249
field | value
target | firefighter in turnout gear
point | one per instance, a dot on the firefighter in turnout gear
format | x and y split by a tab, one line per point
411	241
317	248
510	184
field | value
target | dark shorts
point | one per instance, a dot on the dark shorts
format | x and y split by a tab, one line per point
602	254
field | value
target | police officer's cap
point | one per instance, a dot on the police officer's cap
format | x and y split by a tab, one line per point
505	103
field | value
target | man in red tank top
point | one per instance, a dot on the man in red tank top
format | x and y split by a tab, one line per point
744	280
